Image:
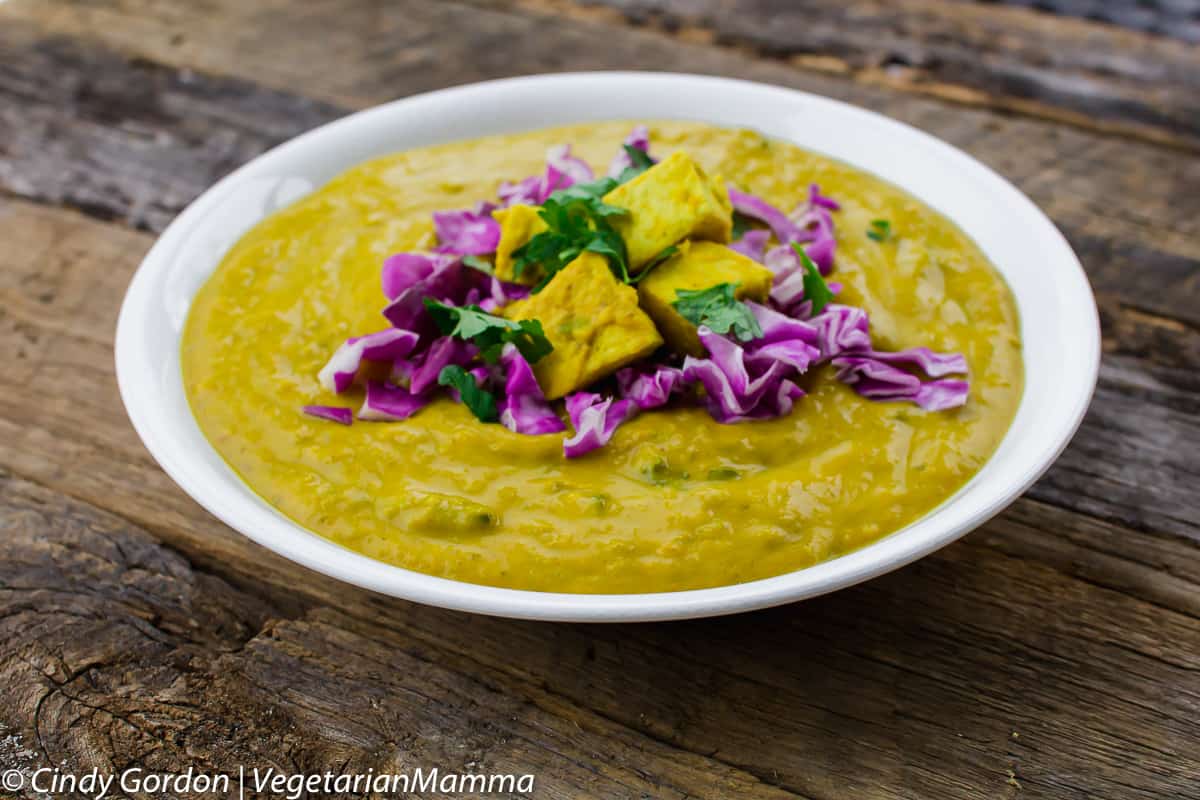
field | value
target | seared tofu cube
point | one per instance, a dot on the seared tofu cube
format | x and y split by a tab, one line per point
593	321
672	201
698	265
518	224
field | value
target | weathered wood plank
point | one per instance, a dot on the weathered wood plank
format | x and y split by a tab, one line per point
124	139
1075	70
116	652
1092	75
1078	634
1119	201
1164	282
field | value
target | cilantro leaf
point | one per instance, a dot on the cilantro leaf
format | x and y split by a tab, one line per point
815	289
662	256
589	193
490	333
880	230
741	224
481	264
607	242
481	402
576	220
640	158
639	161
717	308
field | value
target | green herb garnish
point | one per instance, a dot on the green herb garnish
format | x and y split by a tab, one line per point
481	402
815	289
723	474
490	333
576	221
639	160
591	193
717	308
880	230
663	255
741	224
481	264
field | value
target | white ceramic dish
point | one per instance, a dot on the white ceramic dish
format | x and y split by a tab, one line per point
1058	313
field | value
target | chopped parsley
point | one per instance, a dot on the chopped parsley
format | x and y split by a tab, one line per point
815	289
741	224
639	161
576	221
481	402
717	308
663	255
880	230
490	333
481	264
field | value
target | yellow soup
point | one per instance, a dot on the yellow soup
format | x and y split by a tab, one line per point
676	500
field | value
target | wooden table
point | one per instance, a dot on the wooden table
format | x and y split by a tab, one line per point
1053	653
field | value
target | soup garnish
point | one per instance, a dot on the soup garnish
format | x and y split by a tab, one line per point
633	382
651	286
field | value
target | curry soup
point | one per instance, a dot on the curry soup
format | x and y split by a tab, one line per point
676	500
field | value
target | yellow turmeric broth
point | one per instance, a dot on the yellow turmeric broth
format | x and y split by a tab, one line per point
676	500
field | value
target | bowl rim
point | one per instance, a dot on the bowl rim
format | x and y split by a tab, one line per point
256	520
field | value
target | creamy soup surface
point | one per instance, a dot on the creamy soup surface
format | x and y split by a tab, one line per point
676	500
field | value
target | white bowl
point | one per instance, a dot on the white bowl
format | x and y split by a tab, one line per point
1059	323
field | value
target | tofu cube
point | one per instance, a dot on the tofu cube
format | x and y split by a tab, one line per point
672	201
518	224
593	321
698	265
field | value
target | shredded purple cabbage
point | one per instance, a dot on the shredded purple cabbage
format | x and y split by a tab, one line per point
562	171
443	352
387	345
404	270
935	365
741	380
815	220
844	337
529	191
877	380
815	199
784	228
449	281
783	261
841	329
650	389
785	340
594	418
639	137
573	170
501	294
811	224
524	408
385	402
467	232
738	391
343	416
753	244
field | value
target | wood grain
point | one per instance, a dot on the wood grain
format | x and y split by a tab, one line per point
1088	74
1079	633
1116	198
134	626
943	662
1075	70
117	653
